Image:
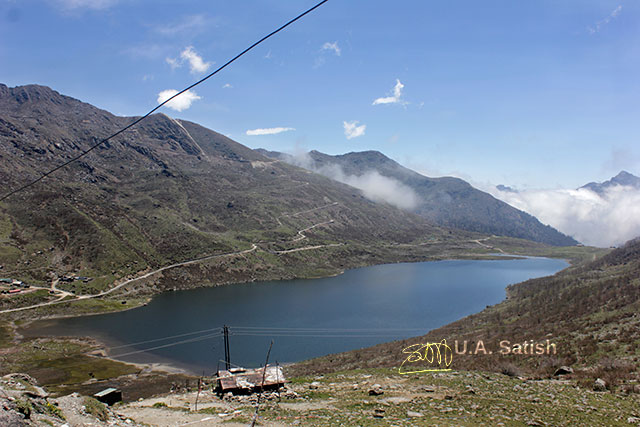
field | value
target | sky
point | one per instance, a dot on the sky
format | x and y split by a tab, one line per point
535	95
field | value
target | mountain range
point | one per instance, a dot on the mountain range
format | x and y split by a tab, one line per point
624	179
446	201
169	191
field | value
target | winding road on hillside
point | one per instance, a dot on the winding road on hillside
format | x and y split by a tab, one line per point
479	241
64	296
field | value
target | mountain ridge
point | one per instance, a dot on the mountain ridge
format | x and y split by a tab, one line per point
170	191
623	178
447	201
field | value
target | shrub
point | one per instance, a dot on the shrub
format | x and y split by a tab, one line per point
96	408
54	410
510	370
24	407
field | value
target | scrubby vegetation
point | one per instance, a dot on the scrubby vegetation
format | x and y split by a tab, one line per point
589	312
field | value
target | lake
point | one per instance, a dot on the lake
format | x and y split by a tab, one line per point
304	318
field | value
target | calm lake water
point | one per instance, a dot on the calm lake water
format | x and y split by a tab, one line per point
304	318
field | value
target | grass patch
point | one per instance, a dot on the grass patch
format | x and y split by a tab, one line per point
96	408
24	299
59	364
6	336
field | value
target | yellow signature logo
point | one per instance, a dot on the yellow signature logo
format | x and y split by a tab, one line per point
436	356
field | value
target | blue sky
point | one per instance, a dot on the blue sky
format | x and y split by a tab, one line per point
539	94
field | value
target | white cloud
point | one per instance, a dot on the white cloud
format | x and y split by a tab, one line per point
196	63
333	47
598	26
395	98
374	186
227	86
173	63
599	220
268	131
380	188
179	103
86	4
352	130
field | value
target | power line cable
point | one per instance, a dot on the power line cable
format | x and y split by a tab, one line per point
249	330
266	328
135	122
145	350
91	362
256	332
316	335
164	338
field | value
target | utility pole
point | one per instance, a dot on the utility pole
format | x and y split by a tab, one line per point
227	356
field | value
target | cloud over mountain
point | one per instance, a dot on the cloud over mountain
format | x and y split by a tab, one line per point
374	186
609	217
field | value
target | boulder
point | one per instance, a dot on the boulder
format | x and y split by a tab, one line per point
563	370
376	390
599	385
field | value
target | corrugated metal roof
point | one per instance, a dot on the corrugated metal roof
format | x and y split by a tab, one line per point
105	392
250	379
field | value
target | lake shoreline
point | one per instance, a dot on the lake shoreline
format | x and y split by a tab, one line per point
147	299
171	295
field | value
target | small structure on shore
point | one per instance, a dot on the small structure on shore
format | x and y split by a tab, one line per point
109	396
247	381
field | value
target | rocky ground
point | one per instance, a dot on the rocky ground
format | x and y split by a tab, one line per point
379	397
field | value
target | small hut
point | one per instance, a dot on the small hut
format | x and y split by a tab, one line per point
247	381
109	396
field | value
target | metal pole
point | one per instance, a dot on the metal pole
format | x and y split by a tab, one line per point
227	355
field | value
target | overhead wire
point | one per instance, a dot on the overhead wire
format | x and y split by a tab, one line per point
268	328
163	338
265	332
117	356
145	350
249	330
138	120
259	331
301	335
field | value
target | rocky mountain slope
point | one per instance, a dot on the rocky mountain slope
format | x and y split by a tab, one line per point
169	191
446	201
